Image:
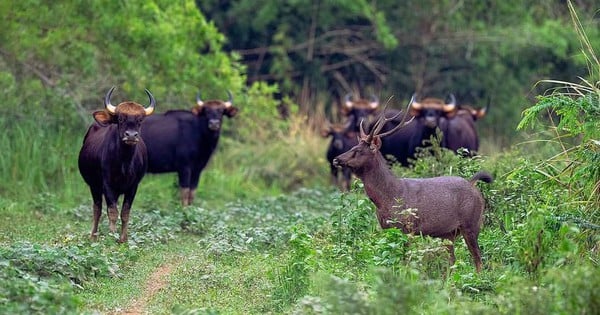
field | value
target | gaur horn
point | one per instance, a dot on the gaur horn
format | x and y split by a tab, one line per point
150	109
230	101
109	107
414	104
199	101
450	106
374	101
347	100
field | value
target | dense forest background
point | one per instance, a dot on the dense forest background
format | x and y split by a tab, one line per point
317	51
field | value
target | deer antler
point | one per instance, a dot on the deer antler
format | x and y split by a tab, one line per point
382	120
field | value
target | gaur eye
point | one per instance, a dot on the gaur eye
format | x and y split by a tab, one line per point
121	119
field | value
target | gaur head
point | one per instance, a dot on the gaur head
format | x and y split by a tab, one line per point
128	117
429	110
358	110
214	110
339	134
474	112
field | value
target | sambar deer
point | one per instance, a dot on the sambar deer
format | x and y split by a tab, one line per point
443	207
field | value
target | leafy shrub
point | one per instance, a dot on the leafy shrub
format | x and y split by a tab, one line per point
390	247
293	280
24	293
570	290
77	263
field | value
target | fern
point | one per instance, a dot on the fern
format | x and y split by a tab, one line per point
573	110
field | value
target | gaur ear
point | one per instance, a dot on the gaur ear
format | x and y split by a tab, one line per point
325	131
231	111
376	143
451	114
346	110
197	110
480	113
103	118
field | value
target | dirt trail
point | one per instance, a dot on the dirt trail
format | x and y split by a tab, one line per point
157	281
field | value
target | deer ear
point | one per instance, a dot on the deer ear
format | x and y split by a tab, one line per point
376	143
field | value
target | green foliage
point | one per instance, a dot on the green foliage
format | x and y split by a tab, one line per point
294	279
571	290
24	293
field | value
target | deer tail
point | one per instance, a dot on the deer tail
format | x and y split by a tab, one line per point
482	176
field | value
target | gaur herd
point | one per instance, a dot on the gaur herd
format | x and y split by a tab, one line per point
126	141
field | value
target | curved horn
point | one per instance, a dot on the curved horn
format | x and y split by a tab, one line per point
414	104
230	101
199	101
374	101
109	107
483	111
450	106
150	109
347	100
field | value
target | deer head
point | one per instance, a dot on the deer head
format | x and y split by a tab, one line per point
366	152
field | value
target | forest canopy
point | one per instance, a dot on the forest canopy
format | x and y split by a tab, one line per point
317	51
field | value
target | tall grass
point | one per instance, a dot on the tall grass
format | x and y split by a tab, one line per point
38	160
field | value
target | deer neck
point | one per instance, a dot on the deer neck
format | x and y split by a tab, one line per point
382	187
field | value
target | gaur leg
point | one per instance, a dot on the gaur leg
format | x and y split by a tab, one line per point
347	173
185	175
334	175
183	194
191	195
125	208
194	180
471	241
113	212
97	210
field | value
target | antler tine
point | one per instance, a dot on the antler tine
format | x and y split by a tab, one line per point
379	123
402	123
362	130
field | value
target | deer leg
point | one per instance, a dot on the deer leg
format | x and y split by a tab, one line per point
471	241
450	247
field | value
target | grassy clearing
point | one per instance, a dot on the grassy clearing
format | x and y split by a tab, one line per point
259	241
309	252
